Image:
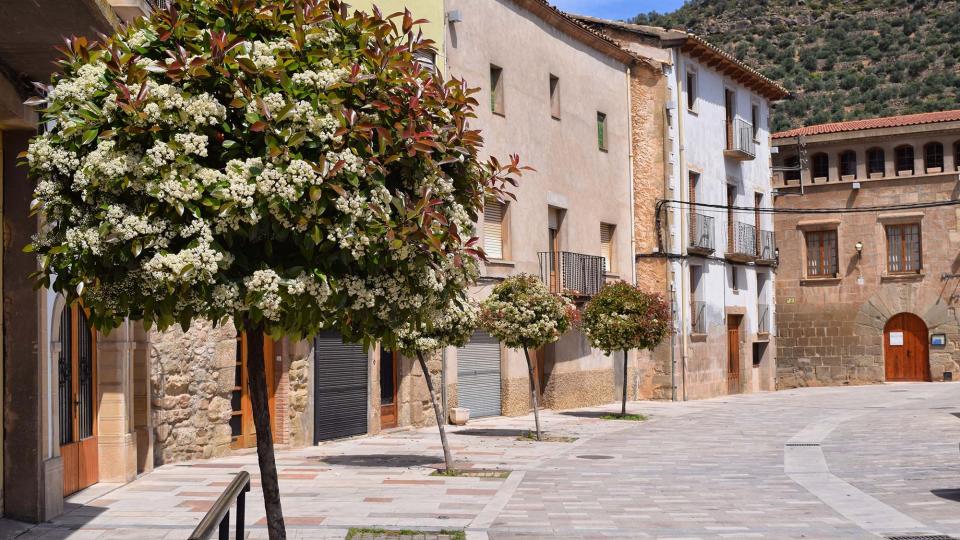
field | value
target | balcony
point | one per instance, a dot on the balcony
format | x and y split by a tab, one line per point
702	234
698	320
740	143
767	253
742	244
572	273
763	318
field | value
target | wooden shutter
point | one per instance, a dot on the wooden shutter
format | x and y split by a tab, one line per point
493	214
606	245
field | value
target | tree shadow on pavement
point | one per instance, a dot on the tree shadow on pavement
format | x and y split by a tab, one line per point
949	494
491	432
382	460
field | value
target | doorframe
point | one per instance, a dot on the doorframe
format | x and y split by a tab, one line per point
74	317
396	388
248	434
739	318
924	340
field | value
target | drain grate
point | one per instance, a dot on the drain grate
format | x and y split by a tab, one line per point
594	456
802	444
922	537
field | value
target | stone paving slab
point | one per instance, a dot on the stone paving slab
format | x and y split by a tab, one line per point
706	469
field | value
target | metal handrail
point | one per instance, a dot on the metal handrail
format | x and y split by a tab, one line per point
743	138
701	233
219	515
574	273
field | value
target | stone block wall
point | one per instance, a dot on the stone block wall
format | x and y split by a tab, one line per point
192	377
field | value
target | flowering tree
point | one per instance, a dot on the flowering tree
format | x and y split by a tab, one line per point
282	163
623	317
450	326
523	314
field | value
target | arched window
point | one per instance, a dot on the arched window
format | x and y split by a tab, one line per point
875	161
956	155
848	164
903	156
820	165
933	156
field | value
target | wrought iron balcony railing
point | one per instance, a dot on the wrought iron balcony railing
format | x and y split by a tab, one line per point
767	246
702	233
575	273
698	322
763	318
740	142
742	243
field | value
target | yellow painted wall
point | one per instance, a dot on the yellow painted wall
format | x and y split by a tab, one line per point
432	10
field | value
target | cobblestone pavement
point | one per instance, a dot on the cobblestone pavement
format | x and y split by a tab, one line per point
822	463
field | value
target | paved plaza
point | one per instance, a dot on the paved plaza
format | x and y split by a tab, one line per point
852	462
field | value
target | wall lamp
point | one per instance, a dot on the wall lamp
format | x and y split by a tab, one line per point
859	246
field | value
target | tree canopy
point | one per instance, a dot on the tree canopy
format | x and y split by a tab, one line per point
283	162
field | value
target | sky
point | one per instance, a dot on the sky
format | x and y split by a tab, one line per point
616	9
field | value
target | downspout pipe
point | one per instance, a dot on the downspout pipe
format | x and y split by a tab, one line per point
683	195
633	201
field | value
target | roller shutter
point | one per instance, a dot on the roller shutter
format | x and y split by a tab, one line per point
478	376
340	388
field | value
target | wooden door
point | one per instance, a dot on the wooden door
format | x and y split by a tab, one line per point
906	348
729	103
733	353
77	397
241	422
388	389
554	248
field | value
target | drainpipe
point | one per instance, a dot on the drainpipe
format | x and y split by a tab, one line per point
673	341
681	160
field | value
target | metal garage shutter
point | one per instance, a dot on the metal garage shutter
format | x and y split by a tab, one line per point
478	376
340	388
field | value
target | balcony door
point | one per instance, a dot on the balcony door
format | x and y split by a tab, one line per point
729	104
77	370
554	220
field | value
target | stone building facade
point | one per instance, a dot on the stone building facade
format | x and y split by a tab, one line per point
869	296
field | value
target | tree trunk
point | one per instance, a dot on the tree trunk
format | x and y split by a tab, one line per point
256	376
623	408
441	421
533	393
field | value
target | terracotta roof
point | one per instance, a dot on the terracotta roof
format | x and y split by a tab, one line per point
699	48
872	123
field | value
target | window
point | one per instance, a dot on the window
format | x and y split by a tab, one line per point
903	156
848	164
903	248
956	155
691	91
822	253
496	90
698	321
602	131
494	219
730	111
755	120
555	97
933	157
606	245
876	161
791	165
820	165
734	277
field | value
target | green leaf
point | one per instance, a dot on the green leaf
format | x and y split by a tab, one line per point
89	135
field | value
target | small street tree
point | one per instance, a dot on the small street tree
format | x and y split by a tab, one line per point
281	163
622	317
450	326
523	314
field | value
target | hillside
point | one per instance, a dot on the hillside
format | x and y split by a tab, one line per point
842	59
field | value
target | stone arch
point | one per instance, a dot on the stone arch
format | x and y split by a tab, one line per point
939	316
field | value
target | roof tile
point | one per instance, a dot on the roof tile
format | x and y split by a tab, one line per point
872	123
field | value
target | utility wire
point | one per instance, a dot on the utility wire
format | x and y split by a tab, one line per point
768	210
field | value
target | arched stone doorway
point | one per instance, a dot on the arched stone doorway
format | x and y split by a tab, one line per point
906	352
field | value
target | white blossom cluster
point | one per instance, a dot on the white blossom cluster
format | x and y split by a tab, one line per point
452	326
43	155
126	225
360	214
196	264
89	80
522	313
264	53
327	75
268	291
